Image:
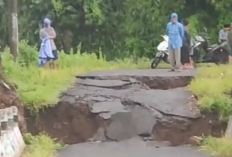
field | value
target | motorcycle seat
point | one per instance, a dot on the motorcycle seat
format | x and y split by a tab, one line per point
212	47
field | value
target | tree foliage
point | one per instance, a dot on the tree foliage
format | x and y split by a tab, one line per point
118	28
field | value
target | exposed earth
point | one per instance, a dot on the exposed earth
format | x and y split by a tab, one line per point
128	113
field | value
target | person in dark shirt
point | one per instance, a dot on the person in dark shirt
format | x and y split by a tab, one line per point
185	49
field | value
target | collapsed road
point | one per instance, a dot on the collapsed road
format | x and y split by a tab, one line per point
114	108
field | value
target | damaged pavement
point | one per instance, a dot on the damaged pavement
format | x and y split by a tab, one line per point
119	105
145	111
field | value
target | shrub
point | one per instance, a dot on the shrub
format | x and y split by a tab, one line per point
218	146
28	54
39	88
40	146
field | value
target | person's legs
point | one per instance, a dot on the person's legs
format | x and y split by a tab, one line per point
44	62
191	63
46	65
177	58
182	56
187	61
229	50
55	60
171	58
184	60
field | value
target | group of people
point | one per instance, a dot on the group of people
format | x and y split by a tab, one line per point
48	51
179	45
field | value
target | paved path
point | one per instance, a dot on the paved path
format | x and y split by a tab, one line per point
129	148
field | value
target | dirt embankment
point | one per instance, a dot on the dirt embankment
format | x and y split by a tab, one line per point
9	97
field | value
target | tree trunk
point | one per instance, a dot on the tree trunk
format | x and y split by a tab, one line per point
13	27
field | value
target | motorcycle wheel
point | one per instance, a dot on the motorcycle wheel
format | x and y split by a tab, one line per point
155	62
165	59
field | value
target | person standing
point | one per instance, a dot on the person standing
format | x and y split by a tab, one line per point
223	33
185	49
175	33
229	41
48	31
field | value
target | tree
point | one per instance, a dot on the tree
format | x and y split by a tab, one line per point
118	28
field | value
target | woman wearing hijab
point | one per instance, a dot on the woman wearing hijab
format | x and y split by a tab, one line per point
48	31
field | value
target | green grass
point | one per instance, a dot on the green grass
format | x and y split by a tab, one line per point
40	146
221	147
213	87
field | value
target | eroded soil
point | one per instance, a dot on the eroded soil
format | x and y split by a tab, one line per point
119	105
9	97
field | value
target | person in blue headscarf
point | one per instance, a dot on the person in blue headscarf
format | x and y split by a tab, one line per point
175	32
48	32
45	51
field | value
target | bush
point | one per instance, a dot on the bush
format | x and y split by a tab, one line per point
218	146
39	88
28	54
213	88
40	146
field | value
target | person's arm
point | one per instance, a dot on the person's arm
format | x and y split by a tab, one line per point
53	36
229	38
41	34
181	30
220	36
167	29
188	38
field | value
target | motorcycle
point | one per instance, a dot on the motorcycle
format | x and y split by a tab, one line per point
213	54
216	53
162	53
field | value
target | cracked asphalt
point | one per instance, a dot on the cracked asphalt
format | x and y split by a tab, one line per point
105	92
129	148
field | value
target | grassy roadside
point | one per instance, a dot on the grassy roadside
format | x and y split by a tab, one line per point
221	147
39	88
40	146
213	88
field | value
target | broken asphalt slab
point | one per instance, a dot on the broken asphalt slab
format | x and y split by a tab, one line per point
176	102
112	108
129	105
105	83
139	72
155	79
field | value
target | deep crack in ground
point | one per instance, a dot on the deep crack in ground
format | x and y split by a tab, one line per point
119	105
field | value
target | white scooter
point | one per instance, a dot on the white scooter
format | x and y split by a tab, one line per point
162	53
